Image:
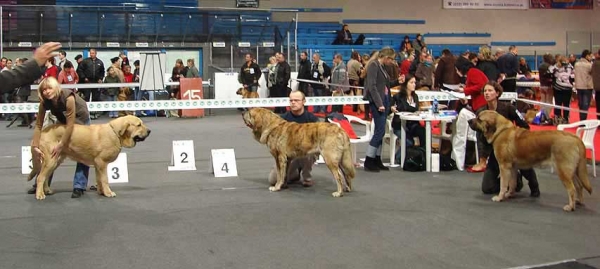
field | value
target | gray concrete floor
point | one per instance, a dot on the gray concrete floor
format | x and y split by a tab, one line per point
163	219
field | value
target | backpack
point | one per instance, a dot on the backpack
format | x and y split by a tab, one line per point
415	159
343	122
447	163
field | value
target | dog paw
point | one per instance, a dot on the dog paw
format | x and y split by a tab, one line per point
347	189
110	194
49	192
568	208
336	194
40	196
496	198
273	188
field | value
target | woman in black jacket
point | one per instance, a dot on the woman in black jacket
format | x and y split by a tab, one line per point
408	101
491	180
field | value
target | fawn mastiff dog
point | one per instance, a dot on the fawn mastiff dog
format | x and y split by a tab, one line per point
518	148
93	145
290	140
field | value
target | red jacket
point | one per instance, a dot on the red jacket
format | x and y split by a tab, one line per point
476	80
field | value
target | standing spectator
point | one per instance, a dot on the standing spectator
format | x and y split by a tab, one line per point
546	78
178	72
508	65
339	76
354	69
377	90
62	59
192	69
249	75
282	79
68	75
584	83
91	70
596	81
304	73
112	92
320	72
563	88
487	63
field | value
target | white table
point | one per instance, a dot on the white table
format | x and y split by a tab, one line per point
427	118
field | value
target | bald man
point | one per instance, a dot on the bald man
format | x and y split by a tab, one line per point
299	168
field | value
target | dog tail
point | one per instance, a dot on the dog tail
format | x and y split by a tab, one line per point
36	166
347	163
582	172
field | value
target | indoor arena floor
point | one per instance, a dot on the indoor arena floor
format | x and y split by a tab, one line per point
190	219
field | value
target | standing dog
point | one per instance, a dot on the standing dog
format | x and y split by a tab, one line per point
518	148
291	140
93	145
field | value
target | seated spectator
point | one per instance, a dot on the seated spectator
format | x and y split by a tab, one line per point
523	67
407	101
424	74
344	37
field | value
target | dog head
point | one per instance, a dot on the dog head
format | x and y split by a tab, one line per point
261	121
130	129
490	123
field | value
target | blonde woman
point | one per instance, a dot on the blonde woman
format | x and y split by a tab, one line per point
69	109
272	66
377	90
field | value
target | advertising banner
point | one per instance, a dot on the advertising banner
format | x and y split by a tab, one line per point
486	4
562	4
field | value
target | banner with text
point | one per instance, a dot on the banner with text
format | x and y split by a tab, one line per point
562	4
486	4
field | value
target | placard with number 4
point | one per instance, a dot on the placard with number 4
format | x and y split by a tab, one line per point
223	163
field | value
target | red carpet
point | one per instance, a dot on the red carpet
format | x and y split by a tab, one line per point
573	117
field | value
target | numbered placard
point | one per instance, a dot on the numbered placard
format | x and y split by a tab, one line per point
117	171
223	163
26	160
182	156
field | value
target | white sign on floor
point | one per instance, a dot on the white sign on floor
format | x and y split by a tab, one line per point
117	171
182	156
223	163
26	160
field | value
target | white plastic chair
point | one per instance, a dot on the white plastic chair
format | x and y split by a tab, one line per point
361	139
586	131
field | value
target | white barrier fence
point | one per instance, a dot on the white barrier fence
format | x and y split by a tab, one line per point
233	101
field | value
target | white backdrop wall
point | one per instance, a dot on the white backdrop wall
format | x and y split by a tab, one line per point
504	25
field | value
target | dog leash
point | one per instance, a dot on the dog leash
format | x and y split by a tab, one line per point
555	106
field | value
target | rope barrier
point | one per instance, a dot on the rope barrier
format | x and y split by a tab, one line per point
554	106
424	96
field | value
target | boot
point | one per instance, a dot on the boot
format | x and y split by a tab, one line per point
519	182
371	165
535	189
380	164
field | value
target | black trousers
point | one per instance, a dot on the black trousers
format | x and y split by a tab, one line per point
491	177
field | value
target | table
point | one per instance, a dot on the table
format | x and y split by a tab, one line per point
444	116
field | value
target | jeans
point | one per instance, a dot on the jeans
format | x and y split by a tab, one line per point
80	179
112	113
562	98
380	121
584	97
319	92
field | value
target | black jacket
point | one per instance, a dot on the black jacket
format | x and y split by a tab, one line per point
401	103
304	70
249	75
21	75
93	70
284	73
510	112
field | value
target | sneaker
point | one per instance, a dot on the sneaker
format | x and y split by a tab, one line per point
31	191
77	193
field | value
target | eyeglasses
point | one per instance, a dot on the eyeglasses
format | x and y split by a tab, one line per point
295	100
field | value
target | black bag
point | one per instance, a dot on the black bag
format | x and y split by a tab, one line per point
447	163
414	160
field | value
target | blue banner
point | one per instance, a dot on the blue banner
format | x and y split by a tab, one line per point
561	4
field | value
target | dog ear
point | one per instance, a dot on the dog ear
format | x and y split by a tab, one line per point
499	124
